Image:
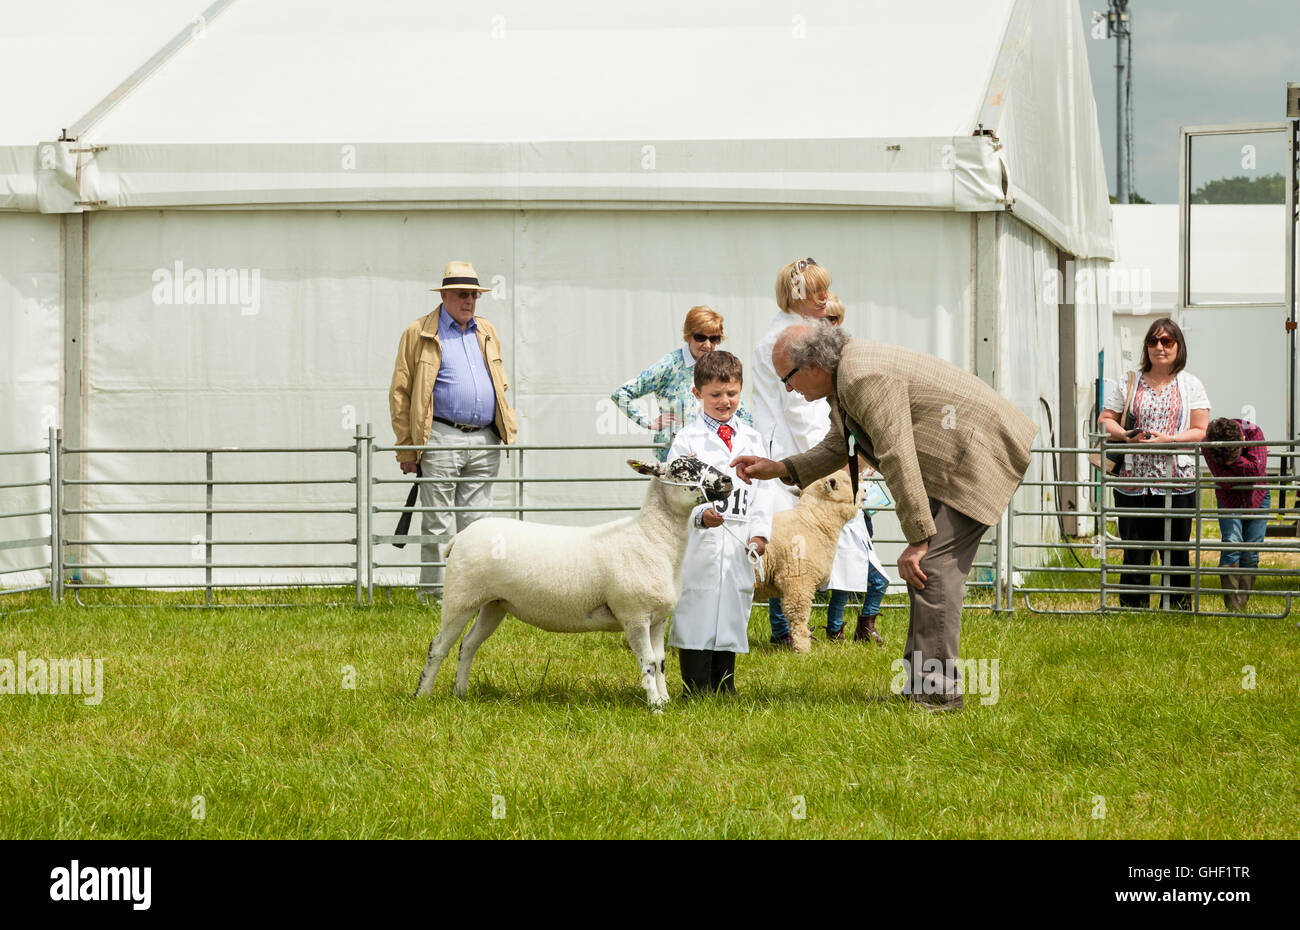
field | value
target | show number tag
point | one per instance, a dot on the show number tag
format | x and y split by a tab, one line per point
736	507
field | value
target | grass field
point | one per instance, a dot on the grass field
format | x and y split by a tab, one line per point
1122	726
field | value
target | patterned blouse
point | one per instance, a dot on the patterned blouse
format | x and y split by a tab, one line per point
1167	411
670	380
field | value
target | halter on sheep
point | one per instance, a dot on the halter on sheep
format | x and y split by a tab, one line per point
623	575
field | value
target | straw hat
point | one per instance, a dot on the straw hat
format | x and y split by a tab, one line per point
460	276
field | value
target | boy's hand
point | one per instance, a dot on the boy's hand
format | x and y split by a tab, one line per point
759	544
711	518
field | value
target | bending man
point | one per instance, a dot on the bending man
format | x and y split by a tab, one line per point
952	452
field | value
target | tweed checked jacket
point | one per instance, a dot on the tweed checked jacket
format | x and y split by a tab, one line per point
932	430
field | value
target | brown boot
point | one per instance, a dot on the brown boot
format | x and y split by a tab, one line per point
1229	585
1245	584
866	630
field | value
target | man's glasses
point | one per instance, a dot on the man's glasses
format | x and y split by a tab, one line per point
786	379
1167	341
701	338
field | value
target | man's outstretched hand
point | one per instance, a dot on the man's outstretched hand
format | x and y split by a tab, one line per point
751	468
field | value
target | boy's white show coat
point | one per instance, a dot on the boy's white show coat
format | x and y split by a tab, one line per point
717	576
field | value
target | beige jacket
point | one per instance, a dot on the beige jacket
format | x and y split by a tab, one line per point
932	430
410	397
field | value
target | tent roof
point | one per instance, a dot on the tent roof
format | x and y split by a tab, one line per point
741	103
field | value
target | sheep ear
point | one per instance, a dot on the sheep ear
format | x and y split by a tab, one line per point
641	468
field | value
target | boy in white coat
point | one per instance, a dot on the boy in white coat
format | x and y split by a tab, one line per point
711	622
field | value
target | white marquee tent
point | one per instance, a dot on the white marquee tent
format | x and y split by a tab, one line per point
606	166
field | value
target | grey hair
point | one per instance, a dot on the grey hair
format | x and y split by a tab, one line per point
820	347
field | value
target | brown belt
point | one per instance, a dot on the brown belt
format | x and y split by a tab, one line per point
463	429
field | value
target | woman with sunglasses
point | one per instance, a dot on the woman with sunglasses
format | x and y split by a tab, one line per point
670	380
1168	405
787	423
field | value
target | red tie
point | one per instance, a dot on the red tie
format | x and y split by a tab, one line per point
724	433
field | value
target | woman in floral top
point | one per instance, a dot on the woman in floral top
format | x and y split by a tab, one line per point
1169	405
670	381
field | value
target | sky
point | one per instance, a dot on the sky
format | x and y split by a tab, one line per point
1196	63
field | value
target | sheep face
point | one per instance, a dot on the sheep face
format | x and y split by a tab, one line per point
836	489
686	473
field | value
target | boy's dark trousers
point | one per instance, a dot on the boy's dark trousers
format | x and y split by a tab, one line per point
705	670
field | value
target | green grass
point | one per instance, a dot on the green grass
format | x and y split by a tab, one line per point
246	708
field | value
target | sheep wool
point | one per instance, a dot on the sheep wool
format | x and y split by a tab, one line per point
798	557
625	575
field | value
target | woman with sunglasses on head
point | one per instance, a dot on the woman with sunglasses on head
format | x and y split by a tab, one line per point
671	378
1168	405
785	421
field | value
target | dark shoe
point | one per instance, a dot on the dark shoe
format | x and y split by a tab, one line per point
782	642
696	669
722	673
938	703
866	631
1245	584
1229	584
836	637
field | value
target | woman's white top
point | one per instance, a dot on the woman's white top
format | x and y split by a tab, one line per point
1168	411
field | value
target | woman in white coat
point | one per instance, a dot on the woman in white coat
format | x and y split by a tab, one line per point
857	568
711	620
789	424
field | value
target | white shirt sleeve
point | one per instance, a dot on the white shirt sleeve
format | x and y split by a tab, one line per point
1115	394
1197	399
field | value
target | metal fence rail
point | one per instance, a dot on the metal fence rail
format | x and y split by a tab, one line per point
1013	564
1097	587
48	541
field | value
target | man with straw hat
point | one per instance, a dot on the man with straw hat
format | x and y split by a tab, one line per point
449	389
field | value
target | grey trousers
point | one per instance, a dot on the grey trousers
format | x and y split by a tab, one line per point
934	622
453	463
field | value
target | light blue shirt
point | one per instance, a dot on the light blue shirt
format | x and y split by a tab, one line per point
463	391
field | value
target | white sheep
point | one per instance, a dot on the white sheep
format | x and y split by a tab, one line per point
798	558
623	575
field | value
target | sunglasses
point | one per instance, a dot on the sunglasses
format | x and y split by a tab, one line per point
701	338
786	379
1167	341
803	263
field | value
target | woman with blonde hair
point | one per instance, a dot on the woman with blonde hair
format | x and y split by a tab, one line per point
787	423
670	381
857	569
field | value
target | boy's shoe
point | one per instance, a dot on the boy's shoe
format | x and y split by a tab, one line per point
836	637
781	642
866	631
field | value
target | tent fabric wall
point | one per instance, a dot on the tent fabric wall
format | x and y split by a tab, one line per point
1029	345
336	290
29	376
1050	138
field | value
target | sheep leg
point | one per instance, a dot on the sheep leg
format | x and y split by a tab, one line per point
452	625
489	618
657	631
638	639
797	606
